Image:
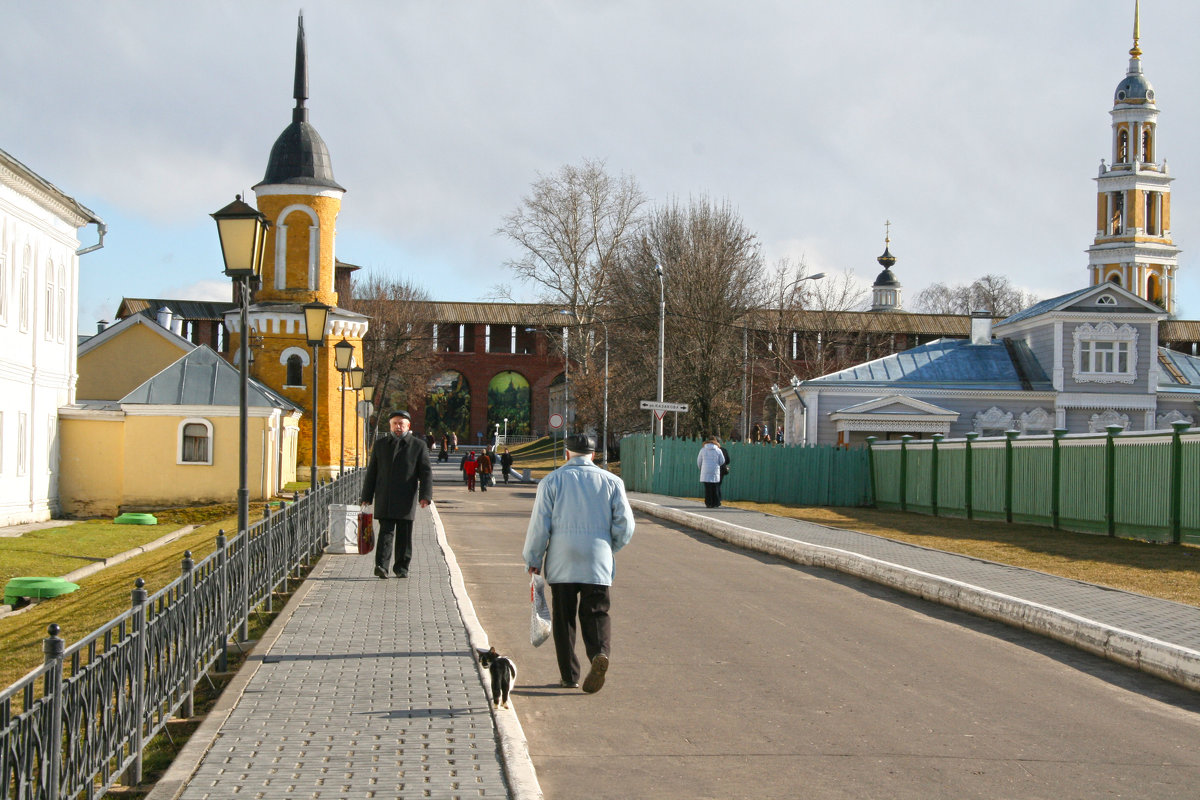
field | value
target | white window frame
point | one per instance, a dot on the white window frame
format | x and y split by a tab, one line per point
48	326
179	442
22	441
23	297
1104	353
62	304
3	288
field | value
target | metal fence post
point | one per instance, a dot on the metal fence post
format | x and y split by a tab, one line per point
904	440
188	650
1009	435
223	600
1056	476
871	470
933	472
1110	478
1177	429
266	531
133	775
968	478
53	649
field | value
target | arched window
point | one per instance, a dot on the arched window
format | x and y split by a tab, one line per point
1123	147
49	309
195	442
62	304
294	360
1148	144
1154	289
23	299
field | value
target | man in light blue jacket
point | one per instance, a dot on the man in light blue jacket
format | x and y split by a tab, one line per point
580	518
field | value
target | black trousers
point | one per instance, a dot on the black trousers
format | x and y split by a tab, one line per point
394	534
712	494
591	602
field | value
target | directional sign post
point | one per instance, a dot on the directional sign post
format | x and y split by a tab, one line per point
653	405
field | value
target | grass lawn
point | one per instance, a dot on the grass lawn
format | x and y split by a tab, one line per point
105	594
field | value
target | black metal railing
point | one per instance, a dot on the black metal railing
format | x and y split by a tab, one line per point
79	722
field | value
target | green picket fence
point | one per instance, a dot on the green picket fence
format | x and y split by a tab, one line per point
792	475
1136	485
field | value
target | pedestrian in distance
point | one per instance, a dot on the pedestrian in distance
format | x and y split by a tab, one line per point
710	460
398	477
506	462
581	518
484	469
467	466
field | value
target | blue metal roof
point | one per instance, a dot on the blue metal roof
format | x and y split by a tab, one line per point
949	363
1188	368
203	378
1046	305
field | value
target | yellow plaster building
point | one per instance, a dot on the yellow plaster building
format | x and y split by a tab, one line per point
156	425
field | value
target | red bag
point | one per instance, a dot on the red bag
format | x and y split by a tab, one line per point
366	532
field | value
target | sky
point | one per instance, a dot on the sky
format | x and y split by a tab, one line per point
976	129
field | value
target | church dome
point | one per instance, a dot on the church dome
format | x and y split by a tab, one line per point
1134	89
300	156
886	278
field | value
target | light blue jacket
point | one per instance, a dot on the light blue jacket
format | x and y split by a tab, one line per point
709	460
580	518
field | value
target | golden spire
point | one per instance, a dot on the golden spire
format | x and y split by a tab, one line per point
1136	52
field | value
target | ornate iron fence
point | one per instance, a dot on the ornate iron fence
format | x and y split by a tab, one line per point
74	725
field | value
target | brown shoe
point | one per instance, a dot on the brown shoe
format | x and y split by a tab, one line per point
595	677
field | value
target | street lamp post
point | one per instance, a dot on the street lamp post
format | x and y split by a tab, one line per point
356	383
746	356
506	431
662	332
243	233
316	315
369	397
604	428
343	357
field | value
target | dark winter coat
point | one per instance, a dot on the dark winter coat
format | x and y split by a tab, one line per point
398	475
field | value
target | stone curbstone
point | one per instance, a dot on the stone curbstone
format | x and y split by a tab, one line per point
1174	663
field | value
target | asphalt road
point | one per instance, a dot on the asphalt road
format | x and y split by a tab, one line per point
736	675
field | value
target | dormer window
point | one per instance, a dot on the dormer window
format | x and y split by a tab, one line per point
1106	300
1105	354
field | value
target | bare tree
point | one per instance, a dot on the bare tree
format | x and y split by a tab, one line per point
993	293
569	230
396	349
713	273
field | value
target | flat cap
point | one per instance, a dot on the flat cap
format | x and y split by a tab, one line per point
400	413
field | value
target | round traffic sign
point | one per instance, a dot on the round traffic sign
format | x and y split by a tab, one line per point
556	421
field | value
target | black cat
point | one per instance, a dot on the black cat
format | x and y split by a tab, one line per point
503	672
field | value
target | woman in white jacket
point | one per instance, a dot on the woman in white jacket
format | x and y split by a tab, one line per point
709	461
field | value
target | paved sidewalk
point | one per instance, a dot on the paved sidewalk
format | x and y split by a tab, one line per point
369	688
1157	636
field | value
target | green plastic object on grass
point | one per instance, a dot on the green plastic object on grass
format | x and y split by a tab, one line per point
39	588
136	519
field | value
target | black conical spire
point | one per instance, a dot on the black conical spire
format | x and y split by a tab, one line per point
300	92
299	154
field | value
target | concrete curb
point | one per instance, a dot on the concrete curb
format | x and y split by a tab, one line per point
171	785
1174	663
514	747
92	569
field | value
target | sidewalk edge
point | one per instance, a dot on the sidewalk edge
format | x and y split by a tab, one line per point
514	747
171	785
1173	663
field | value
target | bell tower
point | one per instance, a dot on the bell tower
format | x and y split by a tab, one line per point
301	200
1133	245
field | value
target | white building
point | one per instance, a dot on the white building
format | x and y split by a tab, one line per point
39	301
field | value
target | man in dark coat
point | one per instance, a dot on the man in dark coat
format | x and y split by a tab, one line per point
398	474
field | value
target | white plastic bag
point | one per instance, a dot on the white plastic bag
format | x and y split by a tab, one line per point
539	615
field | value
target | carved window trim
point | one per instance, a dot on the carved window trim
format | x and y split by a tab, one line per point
1104	353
